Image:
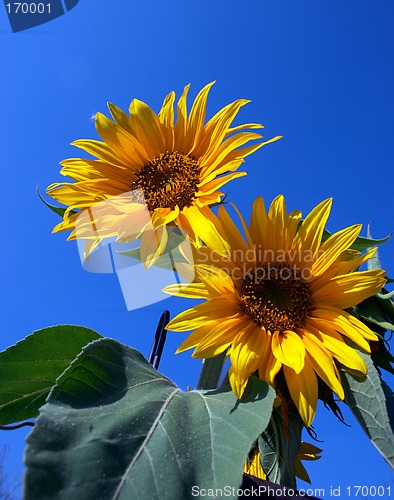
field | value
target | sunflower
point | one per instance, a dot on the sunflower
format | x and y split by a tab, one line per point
277	302
151	171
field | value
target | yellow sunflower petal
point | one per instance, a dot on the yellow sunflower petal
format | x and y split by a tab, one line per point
100	150
226	165
237	384
181	122
220	337
245	352
277	215
215	184
203	314
215	280
349	290
121	118
194	338
163	216
147	128
269	366
333	247
127	147
295	218
217	129
166	118
258	222
231	233
190	290
311	230
289	349
196	119
335	319
303	391
67	223
245	228
321	361
82	170
239	128
202	222
228	146
346	355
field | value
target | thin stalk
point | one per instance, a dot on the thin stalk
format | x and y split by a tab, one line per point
210	373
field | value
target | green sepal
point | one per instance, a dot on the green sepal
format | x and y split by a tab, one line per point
378	310
58	210
383	359
361	243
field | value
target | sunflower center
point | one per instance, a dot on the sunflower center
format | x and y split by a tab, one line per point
168	180
276	297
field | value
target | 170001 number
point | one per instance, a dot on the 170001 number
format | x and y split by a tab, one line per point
28	8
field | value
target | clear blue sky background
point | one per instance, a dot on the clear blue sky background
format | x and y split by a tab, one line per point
319	73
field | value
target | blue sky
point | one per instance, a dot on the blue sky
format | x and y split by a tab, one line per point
319	73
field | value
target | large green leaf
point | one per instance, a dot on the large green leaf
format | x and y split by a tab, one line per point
372	403
278	450
29	369
114	428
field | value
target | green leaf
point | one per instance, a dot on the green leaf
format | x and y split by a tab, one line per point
384	359
377	310
361	243
29	369
372	403
279	451
58	210
364	243
116	428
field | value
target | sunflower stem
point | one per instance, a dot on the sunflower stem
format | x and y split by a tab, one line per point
210	372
